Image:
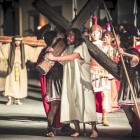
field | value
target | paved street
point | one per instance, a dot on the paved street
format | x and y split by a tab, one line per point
28	121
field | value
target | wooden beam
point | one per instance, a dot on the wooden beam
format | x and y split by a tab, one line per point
80	19
59	21
103	59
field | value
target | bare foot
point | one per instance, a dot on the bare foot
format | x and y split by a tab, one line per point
51	134
94	134
76	134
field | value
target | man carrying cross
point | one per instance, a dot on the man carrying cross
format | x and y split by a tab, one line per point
78	100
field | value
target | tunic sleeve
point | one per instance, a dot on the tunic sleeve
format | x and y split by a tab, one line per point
4	50
32	53
1	54
83	51
4	54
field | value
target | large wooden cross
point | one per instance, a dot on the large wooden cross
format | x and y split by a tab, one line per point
60	22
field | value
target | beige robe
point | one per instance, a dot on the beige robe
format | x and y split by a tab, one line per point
16	82
78	100
3	70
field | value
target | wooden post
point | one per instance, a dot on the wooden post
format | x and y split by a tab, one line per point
20	19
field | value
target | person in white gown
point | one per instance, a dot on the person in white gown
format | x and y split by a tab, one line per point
78	100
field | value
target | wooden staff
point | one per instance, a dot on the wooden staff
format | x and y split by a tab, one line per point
32	41
134	41
123	64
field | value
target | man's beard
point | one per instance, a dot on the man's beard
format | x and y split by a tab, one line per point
70	43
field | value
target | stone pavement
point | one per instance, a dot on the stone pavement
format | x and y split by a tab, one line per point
28	121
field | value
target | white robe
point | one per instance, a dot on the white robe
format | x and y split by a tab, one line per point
78	100
3	71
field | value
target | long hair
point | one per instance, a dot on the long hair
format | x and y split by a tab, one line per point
78	36
12	56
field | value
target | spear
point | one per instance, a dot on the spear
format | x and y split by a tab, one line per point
123	64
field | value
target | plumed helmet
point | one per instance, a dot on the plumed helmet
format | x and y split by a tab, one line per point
95	26
108	27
